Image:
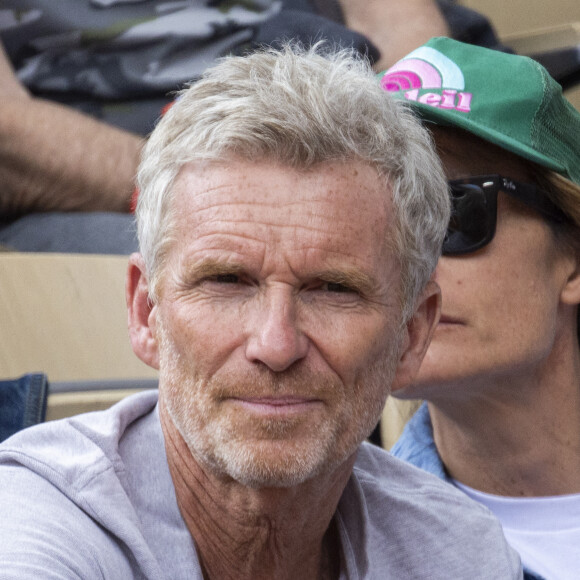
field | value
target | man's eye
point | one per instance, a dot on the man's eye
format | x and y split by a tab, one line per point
227	278
337	287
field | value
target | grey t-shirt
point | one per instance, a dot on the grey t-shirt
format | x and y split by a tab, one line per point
91	497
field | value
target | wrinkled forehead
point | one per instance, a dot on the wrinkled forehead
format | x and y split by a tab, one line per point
250	188
344	208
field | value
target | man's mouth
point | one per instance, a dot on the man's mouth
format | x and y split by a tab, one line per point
283	405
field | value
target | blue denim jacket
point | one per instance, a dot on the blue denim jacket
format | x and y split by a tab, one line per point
416	445
22	403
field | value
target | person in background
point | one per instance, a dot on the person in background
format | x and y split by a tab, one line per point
83	82
502	375
290	217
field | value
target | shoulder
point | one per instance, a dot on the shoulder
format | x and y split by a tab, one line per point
427	525
392	479
40	526
77	447
53	478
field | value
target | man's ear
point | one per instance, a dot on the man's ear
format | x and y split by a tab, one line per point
142	313
417	336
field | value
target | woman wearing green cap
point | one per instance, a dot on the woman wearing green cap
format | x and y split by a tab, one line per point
502	375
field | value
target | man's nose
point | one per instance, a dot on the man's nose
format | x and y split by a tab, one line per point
275	339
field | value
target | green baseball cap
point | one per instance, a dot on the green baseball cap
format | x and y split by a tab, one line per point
506	99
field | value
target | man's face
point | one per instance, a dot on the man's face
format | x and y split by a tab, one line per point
278	317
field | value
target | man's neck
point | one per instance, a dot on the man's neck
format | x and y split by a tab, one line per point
521	440
241	532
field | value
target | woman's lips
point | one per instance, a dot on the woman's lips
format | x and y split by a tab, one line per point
446	319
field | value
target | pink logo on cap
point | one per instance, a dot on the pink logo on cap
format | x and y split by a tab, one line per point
427	68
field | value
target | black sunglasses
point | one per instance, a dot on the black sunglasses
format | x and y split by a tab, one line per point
474	210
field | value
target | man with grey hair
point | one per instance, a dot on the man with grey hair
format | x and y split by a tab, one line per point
290	217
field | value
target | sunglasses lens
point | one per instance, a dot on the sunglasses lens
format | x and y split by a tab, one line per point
471	225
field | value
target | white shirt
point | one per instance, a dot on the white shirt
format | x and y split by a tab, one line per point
544	530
